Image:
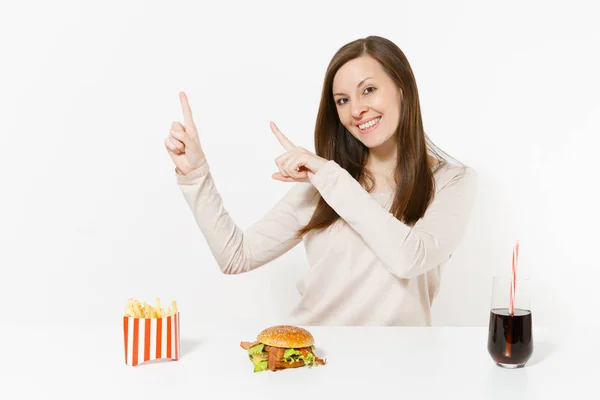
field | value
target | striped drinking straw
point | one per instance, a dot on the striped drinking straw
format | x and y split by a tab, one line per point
513	281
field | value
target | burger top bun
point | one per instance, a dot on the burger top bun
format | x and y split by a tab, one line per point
286	336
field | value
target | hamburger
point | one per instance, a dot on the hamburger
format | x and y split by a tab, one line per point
281	347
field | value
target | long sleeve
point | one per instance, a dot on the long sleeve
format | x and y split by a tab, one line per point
238	251
405	251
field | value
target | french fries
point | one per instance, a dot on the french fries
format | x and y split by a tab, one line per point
137	309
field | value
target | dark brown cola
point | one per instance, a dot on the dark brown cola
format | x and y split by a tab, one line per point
510	342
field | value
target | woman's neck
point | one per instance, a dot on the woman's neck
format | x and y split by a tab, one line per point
381	163
382	159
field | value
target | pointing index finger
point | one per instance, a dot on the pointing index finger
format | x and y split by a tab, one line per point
285	142
187	112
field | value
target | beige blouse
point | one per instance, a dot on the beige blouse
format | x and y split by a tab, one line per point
368	268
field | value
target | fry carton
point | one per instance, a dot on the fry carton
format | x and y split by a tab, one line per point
151	338
150	333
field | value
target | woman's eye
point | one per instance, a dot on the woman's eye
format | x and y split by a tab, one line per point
370	87
344	100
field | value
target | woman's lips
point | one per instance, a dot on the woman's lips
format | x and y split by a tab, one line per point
370	129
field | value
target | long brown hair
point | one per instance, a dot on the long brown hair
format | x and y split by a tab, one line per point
413	173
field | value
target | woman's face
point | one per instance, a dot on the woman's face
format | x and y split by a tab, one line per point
367	101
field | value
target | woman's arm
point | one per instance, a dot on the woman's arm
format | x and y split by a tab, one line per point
238	251
405	251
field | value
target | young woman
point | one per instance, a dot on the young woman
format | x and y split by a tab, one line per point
378	208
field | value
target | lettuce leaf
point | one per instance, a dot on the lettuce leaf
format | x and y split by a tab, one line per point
256	349
260	361
309	360
261	366
289	353
293	355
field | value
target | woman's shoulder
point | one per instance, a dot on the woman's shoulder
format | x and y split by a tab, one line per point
450	172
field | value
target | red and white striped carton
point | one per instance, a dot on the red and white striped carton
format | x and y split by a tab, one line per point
151	338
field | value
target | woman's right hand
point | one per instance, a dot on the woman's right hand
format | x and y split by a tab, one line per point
183	143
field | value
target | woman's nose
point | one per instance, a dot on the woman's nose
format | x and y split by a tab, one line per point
358	109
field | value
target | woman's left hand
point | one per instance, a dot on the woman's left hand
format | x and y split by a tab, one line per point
297	164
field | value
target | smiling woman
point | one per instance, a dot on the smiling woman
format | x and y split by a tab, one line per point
379	209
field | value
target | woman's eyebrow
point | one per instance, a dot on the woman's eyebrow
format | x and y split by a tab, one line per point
359	83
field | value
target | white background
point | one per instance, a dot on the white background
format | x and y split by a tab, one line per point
90	211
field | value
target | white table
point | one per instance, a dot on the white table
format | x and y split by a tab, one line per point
87	361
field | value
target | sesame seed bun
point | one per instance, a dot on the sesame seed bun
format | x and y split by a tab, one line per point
286	336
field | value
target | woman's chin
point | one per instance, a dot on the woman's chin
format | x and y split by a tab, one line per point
382	145
371	143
